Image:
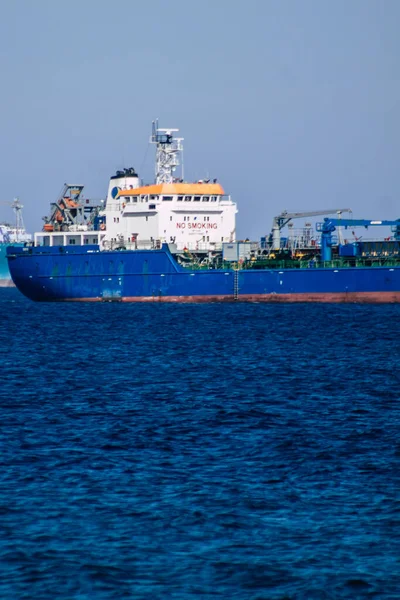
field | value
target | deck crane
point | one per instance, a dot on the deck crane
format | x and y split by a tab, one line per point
283	219
329	226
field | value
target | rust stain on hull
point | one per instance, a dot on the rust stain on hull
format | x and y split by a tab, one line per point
353	297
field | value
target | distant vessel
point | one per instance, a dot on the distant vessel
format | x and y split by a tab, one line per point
11	234
175	241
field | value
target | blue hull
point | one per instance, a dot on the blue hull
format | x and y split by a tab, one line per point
83	273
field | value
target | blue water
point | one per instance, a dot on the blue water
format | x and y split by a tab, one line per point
199	451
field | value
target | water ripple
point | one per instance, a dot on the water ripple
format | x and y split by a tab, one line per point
241	452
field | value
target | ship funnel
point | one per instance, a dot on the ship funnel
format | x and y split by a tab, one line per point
125	179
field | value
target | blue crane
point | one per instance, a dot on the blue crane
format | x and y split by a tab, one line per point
285	217
329	226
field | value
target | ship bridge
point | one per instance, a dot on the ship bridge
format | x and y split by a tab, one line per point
194	215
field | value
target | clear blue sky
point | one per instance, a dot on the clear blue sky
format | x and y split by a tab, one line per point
290	103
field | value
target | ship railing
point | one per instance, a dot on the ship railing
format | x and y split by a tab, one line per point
352	240
225	199
301	243
201	246
133	244
350	262
153	244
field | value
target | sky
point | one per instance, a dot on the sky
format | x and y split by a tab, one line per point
291	104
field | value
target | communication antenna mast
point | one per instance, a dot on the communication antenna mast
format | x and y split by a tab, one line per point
19	222
168	151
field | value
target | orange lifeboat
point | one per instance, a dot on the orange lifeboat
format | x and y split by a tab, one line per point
48	227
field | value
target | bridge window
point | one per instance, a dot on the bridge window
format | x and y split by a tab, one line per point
196	199
167	198
180	198
153	197
206	198
213	198
188	198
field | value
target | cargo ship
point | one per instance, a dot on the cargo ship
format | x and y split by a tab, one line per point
14	234
175	241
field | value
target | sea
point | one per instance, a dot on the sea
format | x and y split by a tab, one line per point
233	451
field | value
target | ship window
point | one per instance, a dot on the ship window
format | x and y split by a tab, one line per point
188	198
196	199
167	198
153	197
213	198
206	198
127	199
170	218
147	218
94	240
152	206
180	198
134	199
86	241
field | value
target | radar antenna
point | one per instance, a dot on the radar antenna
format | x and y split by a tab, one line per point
168	150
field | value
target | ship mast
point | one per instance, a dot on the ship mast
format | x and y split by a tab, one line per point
19	222
168	150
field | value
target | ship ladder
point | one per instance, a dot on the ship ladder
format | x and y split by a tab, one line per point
236	284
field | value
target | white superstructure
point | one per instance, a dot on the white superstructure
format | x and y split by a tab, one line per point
196	216
193	216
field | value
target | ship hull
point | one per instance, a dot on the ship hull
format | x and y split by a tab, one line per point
5	277
84	274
